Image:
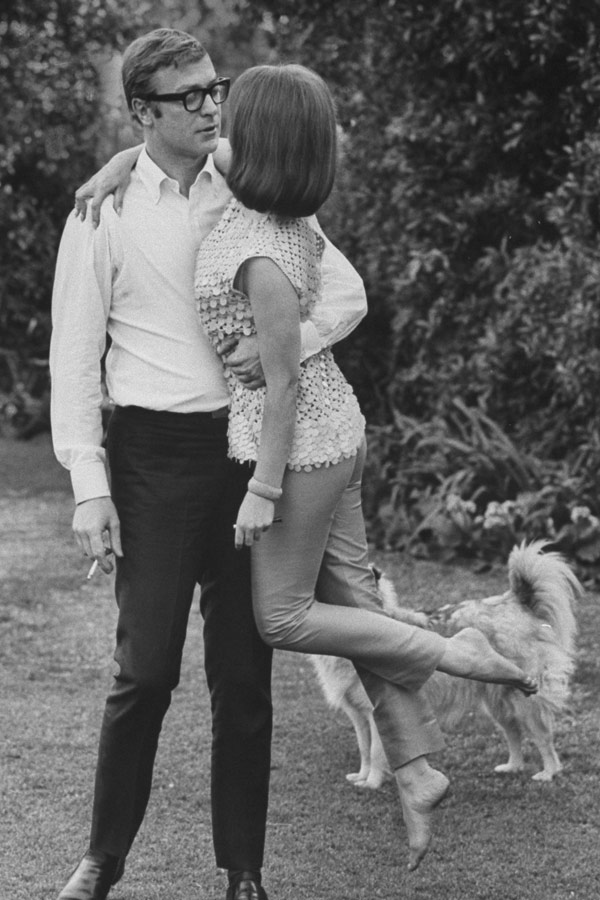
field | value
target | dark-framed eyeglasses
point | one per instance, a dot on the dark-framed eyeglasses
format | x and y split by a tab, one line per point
193	100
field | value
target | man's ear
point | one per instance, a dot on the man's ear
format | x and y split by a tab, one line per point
222	156
142	112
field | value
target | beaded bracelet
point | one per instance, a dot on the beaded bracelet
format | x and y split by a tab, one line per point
266	491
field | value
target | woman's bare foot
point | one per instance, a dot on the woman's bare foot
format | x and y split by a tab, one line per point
421	790
469	654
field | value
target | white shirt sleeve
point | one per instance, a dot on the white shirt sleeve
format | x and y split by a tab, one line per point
80	308
342	305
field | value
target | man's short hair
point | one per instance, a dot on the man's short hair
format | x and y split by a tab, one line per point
283	139
156	50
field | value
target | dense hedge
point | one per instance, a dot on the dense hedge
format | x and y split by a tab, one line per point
49	125
469	202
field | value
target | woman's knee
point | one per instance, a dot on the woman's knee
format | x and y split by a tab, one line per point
276	629
272	632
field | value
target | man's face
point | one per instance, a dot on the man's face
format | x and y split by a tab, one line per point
177	132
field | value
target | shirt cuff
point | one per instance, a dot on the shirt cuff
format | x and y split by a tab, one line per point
310	340
89	481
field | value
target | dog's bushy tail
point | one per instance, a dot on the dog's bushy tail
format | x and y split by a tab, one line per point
546	584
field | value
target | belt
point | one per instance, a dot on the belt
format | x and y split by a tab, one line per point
141	412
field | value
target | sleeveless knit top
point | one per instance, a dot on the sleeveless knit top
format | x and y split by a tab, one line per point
329	423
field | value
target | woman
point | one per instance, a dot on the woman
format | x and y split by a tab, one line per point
302	436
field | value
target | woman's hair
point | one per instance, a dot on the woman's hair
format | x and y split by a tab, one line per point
156	50
283	140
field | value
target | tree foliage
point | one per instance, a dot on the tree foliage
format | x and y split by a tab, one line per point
48	130
460	120
469	203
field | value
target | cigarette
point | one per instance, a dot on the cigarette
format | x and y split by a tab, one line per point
93	568
276	519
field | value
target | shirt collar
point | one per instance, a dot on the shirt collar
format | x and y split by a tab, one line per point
153	177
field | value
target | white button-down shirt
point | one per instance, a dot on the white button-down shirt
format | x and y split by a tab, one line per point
132	278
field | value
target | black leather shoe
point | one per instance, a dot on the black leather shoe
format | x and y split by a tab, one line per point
246	888
93	877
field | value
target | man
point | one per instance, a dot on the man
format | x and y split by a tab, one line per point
174	495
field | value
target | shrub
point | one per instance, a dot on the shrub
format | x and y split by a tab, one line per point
459	488
49	127
469	202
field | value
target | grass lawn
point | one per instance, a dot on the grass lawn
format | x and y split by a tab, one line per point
498	838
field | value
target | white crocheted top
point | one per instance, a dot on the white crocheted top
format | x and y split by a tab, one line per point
329	423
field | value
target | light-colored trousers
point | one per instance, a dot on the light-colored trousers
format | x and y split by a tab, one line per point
319	549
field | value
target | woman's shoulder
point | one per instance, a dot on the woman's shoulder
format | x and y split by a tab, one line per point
270	226
292	244
294	238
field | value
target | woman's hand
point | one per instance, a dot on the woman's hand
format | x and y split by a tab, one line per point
222	156
255	516
113	178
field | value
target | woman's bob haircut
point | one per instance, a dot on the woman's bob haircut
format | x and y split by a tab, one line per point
283	140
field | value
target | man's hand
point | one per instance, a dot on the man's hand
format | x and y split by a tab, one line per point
241	356
97	530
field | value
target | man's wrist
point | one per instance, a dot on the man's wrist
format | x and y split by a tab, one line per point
90	499
89	481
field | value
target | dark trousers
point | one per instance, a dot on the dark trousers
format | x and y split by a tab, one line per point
177	496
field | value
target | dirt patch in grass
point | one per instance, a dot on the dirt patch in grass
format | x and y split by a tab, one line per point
497	839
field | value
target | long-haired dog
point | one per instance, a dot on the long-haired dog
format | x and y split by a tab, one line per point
532	624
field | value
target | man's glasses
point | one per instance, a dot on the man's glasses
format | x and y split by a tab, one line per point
193	100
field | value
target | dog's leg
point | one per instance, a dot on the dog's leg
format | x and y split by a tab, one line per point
513	735
379	768
539	726
360	721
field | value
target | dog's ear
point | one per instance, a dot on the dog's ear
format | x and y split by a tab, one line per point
376	572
